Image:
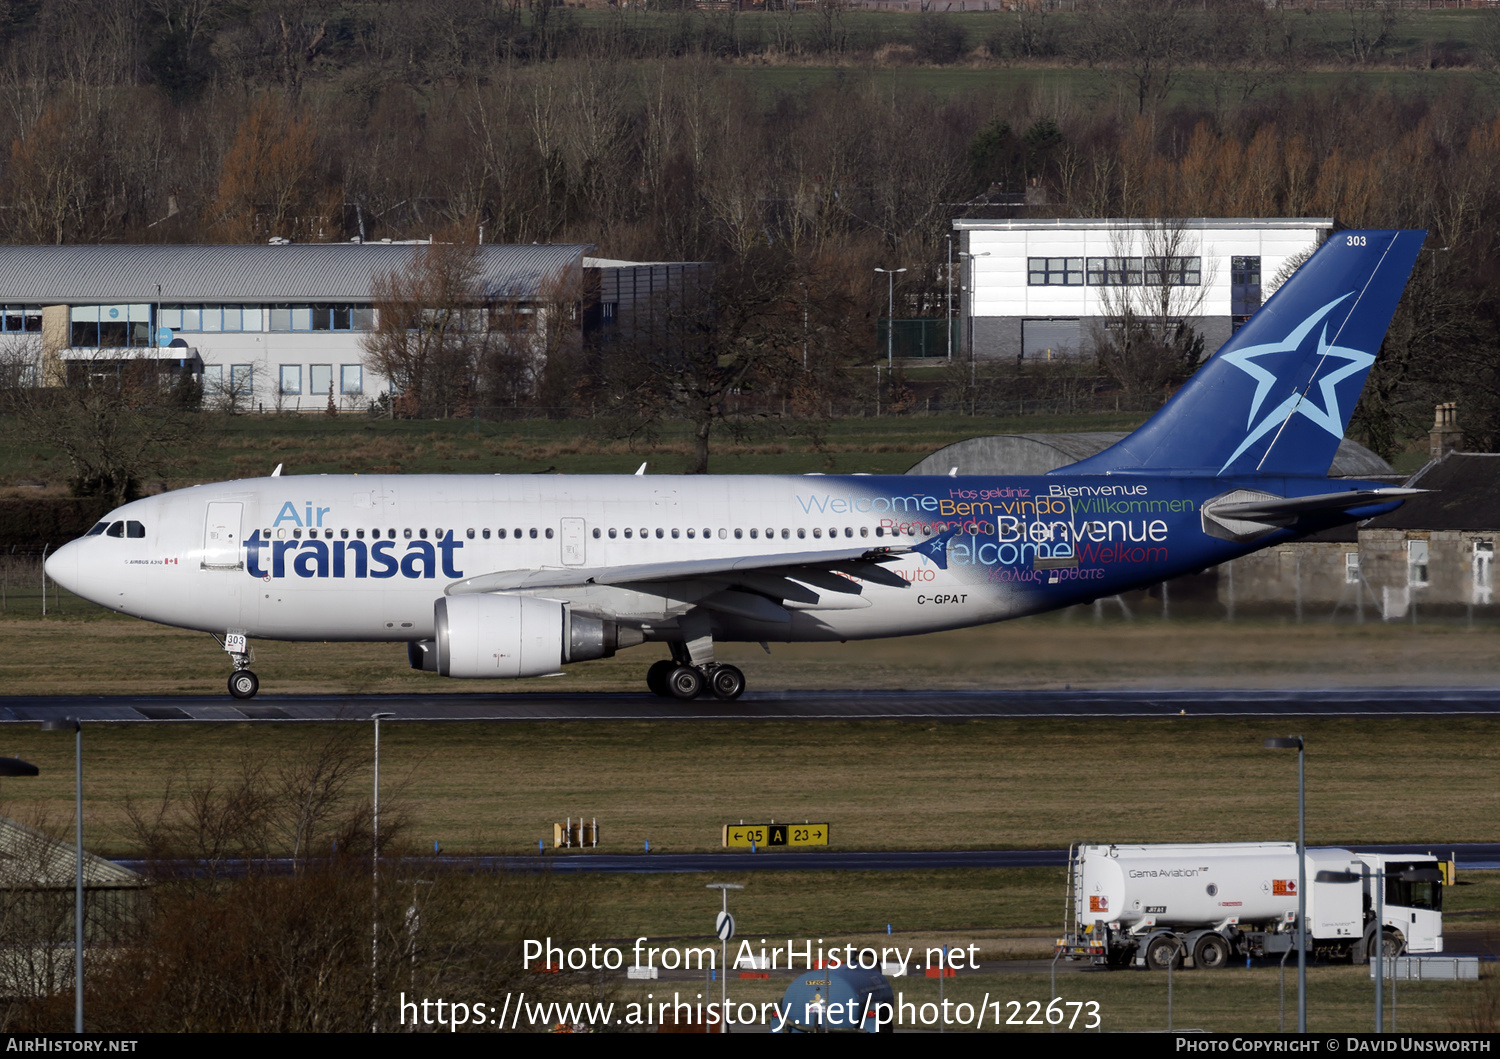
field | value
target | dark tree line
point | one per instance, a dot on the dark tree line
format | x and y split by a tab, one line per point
199	120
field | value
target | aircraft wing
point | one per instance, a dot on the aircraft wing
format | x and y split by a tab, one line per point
766	574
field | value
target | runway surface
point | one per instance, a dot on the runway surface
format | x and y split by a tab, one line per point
768	705
1470	857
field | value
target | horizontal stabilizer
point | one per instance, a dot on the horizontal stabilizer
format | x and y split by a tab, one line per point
1244	514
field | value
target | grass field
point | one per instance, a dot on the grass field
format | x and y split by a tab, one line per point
880	785
251	446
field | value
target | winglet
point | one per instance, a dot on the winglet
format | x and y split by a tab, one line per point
277	472
937	548
641	470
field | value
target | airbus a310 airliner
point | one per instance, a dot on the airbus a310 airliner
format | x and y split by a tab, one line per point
503	576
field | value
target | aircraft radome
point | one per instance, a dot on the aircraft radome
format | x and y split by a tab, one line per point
499	576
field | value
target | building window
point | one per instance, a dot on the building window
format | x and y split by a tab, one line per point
320	379
1244	286
1416	563
209	318
242	379
1054	271
1116	271
291	378
351	379
1174	271
110	326
1484	572
286	317
27	318
213	378
1351	568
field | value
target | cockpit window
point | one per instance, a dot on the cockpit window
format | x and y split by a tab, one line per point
134	529
116	529
98	529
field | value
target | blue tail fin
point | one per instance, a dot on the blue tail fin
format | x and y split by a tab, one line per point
1276	399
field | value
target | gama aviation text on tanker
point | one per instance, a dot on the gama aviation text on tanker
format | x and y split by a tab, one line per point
515	576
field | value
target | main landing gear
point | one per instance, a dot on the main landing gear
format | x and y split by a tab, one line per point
682	680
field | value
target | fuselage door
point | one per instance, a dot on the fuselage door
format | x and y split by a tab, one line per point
221	537
573	547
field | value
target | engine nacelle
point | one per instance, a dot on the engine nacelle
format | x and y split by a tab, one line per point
499	636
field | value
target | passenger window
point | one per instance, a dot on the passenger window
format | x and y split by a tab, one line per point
739	534
817	532
754	533
470	534
406	533
802	533
676	533
297	534
627	532
360	534
880	531
500	533
98	529
660	533
134	529
518	533
116	529
486	533
786	534
864	531
549	533
422	533
612	533
691	533
596	533
328	534
533	533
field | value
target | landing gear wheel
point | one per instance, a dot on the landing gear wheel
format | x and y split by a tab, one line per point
726	682
243	684
1162	952
656	677
1211	953
685	682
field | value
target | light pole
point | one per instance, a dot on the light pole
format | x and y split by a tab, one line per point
890	312
1294	742
72	724
973	359
948	316
725	931
375	885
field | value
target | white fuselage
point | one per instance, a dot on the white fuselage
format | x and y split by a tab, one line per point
365	557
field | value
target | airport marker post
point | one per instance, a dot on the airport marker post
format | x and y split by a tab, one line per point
724	928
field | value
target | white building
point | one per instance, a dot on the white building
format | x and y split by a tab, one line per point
1041	289
277	325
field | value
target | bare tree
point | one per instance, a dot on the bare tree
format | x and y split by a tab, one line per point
1148	343
116	417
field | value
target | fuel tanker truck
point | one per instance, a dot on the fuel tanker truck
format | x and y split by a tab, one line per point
1202	905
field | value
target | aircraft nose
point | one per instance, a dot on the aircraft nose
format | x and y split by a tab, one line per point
62	567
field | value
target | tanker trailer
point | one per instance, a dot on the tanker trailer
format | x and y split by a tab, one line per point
1204	904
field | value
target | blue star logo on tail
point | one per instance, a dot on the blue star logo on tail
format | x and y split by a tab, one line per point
1329	417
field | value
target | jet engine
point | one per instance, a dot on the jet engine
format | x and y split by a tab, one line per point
499	636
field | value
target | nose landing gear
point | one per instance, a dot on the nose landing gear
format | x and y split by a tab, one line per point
243	684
